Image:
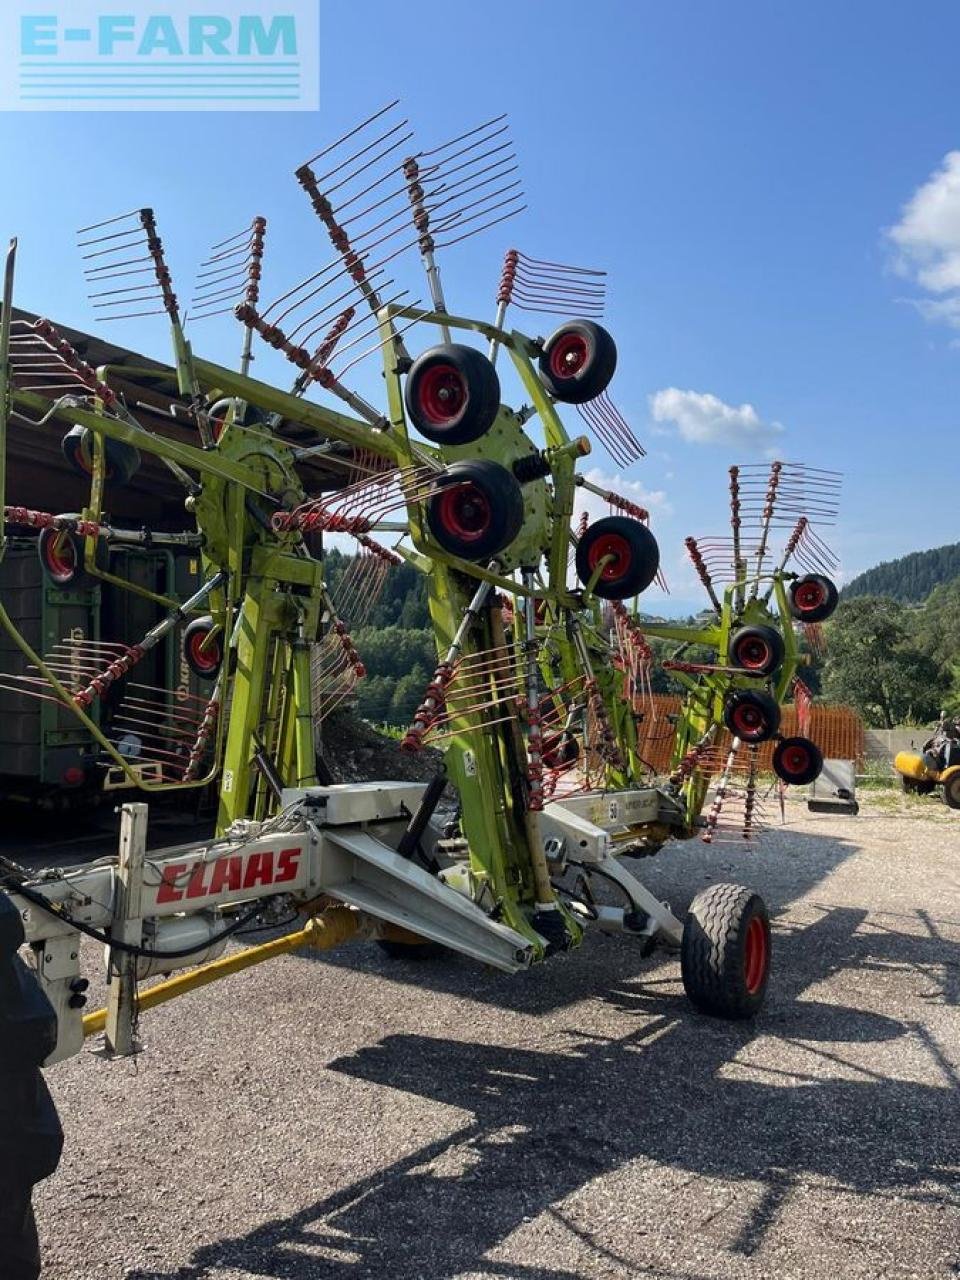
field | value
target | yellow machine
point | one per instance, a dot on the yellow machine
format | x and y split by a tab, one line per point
938	765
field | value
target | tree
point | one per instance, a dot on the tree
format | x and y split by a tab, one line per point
873	666
407	696
936	627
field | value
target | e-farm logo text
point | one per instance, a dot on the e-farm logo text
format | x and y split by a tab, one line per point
177	55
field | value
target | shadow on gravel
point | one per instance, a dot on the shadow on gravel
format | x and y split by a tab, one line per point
546	1124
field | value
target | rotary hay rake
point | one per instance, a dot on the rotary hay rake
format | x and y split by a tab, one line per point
542	684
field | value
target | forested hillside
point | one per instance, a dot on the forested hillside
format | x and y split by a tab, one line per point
896	663
909	579
395	641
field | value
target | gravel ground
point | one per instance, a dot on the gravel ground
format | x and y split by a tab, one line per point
349	1116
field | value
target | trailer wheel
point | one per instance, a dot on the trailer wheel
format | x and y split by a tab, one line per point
797	761
204	659
578	361
725	952
751	717
122	459
476	510
757	650
61	555
951	791
452	394
634	557
812	598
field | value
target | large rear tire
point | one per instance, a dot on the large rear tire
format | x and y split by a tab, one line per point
725	952
951	791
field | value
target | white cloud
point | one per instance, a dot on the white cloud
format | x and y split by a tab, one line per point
702	418
927	242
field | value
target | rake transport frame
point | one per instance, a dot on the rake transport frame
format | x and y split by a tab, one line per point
267	597
539	699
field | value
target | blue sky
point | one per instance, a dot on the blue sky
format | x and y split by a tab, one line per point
736	168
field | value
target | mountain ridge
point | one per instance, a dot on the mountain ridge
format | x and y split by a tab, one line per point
909	578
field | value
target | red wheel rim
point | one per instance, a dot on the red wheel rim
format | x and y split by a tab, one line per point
795	760
809	596
464	511
748	720
442	394
618	548
569	355
60	555
755	956
206	659
753	653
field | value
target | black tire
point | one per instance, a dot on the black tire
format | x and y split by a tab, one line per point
578	361
812	598
757	651
797	761
752	717
636	557
122	459
452	394
725	952
61	556
410	950
951	791
204	660
476	510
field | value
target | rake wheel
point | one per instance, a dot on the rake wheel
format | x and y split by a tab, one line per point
204	657
758	651
476	511
452	394
61	555
631	554
752	717
578	361
813	598
123	460
797	761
